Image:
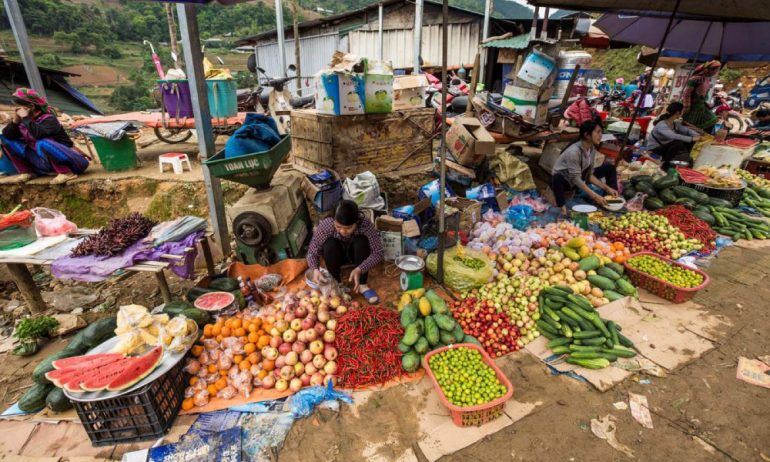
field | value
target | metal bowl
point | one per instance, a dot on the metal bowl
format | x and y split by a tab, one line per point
410	263
309	277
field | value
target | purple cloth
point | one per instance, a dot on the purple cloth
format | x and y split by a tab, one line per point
95	269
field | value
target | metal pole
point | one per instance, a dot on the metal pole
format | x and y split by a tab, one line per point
22	43
279	29
535	17
649	77
193	58
380	45
418	4
485	35
544	32
297	54
442	146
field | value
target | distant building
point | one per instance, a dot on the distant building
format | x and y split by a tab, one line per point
61	94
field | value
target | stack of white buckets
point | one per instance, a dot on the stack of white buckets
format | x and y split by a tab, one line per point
526	93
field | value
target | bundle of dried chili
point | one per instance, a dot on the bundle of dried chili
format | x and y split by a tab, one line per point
116	237
690	225
367	340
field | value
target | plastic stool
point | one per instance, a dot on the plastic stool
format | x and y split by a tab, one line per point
176	160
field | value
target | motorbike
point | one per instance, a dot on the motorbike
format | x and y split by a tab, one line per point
724	108
456	97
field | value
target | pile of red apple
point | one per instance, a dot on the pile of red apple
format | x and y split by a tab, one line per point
493	329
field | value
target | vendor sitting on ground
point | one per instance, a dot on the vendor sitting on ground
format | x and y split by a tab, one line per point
36	143
575	166
670	138
348	238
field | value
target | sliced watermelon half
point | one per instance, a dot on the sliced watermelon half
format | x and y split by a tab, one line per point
77	362
214	301
70	379
99	380
137	369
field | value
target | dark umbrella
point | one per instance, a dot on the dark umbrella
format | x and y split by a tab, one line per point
721	39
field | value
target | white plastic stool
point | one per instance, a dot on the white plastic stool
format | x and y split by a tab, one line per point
176	160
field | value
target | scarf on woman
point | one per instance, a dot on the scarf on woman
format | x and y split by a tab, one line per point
701	77
30	96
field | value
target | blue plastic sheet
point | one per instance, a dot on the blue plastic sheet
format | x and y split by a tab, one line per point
520	216
304	401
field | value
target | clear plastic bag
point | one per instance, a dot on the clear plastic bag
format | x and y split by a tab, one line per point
304	401
463	269
51	222
636	203
520	216
269	282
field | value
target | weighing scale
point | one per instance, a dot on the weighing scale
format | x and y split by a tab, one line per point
411	267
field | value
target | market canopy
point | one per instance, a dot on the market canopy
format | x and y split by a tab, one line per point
674	57
716	38
743	10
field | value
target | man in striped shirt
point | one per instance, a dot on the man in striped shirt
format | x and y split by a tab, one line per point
347	238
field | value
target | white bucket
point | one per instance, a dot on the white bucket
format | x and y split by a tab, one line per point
537	68
566	65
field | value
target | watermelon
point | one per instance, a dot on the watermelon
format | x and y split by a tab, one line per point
138	369
100	380
70	378
214	301
94	360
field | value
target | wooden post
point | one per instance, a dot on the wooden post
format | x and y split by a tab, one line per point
207	255
27	287
165	292
474	83
565	98
172	32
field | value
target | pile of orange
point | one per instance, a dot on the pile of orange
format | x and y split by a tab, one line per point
253	332
620	252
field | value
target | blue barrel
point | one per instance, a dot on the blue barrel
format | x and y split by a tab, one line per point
223	99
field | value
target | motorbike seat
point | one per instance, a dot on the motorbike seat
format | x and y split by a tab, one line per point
302	101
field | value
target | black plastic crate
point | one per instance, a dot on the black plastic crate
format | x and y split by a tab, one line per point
144	414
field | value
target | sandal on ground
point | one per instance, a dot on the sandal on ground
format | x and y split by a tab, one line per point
63	178
371	296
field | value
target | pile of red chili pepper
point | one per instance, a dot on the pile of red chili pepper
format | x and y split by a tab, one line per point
367	341
690	225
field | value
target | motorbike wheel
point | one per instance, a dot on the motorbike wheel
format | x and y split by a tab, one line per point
735	123
173	135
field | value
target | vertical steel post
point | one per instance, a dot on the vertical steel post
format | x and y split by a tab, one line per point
380	19
193	58
535	17
544	32
442	145
22	43
418	6
485	35
281	43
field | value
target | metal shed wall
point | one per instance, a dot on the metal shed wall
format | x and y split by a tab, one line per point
315	54
398	45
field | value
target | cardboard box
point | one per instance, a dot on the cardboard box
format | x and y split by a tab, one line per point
531	103
455	172
322	197
339	93
469	142
409	91
469	212
390	229
378	88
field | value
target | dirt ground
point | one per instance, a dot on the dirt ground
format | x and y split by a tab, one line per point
700	412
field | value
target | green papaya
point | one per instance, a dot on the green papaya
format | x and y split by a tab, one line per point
410	361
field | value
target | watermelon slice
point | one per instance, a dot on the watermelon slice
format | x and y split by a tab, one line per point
70	379
214	301
137	369
76	362
105	375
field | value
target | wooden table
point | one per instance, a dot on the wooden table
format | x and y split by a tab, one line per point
21	275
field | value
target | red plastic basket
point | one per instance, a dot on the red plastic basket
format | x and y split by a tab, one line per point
471	415
660	287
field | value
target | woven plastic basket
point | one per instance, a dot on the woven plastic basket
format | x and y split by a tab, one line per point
471	415
660	287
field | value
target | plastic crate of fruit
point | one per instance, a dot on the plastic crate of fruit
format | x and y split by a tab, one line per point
467	416
659	287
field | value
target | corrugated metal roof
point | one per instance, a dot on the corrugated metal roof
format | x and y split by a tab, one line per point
315	54
519	42
398	45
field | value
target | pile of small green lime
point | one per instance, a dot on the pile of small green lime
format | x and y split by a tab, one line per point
674	274
464	378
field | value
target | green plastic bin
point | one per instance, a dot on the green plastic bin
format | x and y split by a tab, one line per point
255	170
223	98
115	156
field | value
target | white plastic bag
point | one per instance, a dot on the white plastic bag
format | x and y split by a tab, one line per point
51	222
364	190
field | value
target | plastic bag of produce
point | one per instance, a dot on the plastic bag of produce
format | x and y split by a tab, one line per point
50	222
463	269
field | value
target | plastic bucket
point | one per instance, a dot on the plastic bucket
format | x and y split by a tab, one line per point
115	155
177	101
223	100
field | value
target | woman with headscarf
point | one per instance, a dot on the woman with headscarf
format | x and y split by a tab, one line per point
36	143
696	111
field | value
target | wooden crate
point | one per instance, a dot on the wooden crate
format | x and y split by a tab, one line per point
353	144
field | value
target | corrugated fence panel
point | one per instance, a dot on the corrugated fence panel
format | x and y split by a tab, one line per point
315	53
398	47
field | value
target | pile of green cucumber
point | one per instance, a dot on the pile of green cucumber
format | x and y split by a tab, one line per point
574	328
734	224
758	198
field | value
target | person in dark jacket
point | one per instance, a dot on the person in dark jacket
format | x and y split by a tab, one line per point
36	143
